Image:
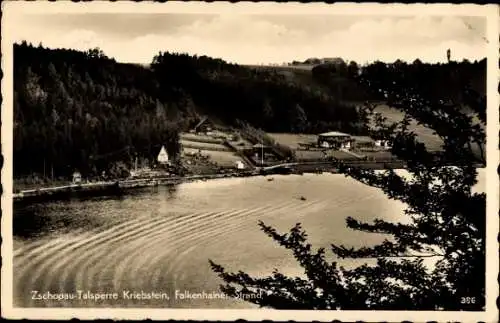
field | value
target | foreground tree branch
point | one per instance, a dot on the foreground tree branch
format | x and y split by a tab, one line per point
447	219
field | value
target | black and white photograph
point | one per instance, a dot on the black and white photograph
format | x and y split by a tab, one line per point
275	160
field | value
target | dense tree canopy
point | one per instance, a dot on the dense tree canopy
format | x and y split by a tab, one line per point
75	110
83	110
448	82
262	97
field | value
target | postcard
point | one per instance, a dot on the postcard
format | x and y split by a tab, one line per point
258	161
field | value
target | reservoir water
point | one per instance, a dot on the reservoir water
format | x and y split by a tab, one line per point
160	239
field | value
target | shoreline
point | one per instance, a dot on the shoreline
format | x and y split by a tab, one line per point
111	188
120	187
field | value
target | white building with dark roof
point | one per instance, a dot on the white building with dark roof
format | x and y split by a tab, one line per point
335	140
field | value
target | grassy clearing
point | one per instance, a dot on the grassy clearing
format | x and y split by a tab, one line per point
304	155
221	158
241	143
203	145
342	155
200	138
224	159
293	141
379	155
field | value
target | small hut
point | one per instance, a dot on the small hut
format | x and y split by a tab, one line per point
385	144
261	151
239	164
77	177
204	126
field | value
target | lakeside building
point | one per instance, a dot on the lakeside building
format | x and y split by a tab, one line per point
368	143
261	154
335	140
386	144
339	140
239	164
77	177
261	151
205	126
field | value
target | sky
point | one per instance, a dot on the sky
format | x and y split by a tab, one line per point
259	38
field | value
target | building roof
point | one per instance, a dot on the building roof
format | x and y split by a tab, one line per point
334	134
259	146
202	121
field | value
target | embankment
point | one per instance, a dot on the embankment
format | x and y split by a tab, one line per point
111	188
119	187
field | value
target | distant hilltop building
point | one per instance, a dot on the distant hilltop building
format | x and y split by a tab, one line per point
326	60
333	60
163	157
312	61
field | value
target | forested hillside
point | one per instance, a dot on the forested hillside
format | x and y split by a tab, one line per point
453	81
83	110
75	110
264	98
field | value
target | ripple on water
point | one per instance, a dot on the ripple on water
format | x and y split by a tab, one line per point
161	240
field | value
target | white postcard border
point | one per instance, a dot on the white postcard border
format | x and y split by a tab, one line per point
10	9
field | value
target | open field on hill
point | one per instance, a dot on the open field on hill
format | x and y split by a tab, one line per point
425	135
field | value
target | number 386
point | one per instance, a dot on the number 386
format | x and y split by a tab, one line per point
468	300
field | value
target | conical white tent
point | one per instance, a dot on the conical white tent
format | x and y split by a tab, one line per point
163	156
